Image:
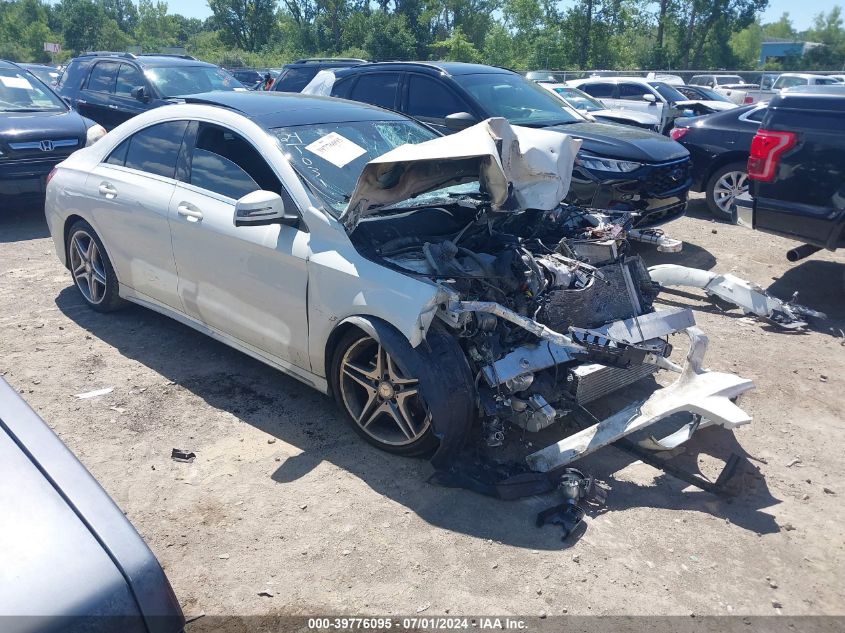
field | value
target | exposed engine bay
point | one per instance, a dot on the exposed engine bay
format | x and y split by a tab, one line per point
550	308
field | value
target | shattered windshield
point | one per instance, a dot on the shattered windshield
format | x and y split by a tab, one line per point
331	156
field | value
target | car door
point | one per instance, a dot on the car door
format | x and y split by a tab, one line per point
129	198
248	282
631	98
430	100
96	97
125	106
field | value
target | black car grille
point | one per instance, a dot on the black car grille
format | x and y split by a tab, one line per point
664	180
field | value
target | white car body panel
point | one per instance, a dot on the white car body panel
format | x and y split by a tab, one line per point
236	291
658	108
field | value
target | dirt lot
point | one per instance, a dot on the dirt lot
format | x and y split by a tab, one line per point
284	497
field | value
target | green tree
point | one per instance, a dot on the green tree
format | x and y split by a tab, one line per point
81	22
389	38
246	24
456	48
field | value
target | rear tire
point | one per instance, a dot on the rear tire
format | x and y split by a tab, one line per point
723	186
92	271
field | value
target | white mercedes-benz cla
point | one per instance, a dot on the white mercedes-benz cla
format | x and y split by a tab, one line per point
435	286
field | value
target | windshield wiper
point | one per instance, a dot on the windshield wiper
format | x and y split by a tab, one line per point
29	109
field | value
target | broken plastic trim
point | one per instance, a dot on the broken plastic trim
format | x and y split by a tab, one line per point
698	390
750	298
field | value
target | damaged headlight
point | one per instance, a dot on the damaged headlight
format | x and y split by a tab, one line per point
598	163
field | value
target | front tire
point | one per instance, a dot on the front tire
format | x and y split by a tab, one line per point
405	400
93	273
723	186
382	402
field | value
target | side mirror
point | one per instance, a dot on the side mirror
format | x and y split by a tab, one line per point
460	121
260	208
649	97
139	93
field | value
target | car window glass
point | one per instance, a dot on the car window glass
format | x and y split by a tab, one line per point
175	81
156	148
341	88
599	91
632	92
102	77
757	115
118	154
295	79
377	88
128	78
225	163
430	98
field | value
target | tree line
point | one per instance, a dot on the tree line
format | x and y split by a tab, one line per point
519	34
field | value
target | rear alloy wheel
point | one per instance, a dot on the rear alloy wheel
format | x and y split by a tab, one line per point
724	186
91	269
383	402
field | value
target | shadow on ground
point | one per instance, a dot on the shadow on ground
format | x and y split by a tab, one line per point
298	415
25	221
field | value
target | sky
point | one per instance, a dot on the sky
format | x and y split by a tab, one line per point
801	13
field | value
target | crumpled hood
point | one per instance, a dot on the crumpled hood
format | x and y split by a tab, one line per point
518	167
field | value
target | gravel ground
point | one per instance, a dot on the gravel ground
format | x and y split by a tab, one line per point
284	497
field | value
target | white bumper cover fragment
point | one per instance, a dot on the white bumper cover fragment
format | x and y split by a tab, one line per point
697	390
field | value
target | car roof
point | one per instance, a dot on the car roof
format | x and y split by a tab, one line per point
615	80
7	64
449	68
283	109
146	60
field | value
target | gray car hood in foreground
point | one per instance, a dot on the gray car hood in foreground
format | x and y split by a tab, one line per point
71	559
518	167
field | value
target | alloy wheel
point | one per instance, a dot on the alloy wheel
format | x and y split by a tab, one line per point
382	401
727	188
86	265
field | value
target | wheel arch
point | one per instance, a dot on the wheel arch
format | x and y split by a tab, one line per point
721	160
69	221
443	361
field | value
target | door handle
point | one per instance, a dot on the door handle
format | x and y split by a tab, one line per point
189	211
107	189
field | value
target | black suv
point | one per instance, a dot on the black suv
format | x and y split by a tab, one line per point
619	167
111	88
296	75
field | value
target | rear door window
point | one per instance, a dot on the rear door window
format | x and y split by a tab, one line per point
428	97
155	149
377	88
103	77
598	90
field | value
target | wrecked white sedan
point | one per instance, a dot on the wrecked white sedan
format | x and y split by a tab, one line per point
435	286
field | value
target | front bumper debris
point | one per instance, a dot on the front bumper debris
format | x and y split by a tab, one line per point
750	298
696	390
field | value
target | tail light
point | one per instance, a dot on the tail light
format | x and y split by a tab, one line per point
748	100
50	175
677	133
766	149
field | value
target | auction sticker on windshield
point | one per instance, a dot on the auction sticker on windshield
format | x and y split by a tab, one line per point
336	149
16	82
